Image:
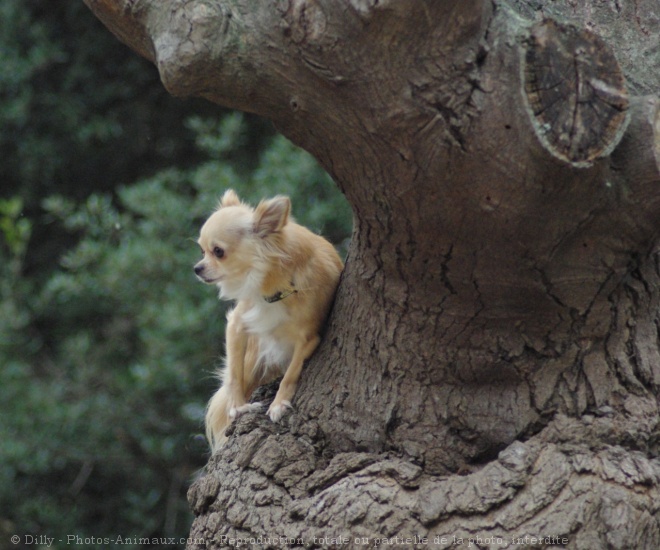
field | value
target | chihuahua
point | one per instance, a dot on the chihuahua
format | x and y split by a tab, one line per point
283	278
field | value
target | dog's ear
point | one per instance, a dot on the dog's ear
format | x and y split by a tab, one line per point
271	215
230	198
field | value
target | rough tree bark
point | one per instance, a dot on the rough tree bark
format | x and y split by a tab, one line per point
492	364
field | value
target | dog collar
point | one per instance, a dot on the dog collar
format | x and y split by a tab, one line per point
280	295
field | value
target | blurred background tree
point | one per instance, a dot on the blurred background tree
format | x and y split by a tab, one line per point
108	344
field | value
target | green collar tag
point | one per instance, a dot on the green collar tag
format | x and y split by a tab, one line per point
280	295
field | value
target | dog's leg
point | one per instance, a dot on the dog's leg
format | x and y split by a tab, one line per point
235	372
248	381
225	404
302	350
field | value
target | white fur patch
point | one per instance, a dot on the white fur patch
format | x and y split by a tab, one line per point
262	320
241	289
275	354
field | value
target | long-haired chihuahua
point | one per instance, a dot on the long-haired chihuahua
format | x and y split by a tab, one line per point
283	278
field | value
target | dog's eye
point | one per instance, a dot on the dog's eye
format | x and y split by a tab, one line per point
218	252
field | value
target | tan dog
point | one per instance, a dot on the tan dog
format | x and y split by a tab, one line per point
283	278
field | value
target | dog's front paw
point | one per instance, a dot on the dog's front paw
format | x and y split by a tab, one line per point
235	412
277	410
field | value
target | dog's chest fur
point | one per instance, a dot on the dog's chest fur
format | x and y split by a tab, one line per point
266	321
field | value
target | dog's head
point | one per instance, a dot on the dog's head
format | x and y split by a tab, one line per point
236	239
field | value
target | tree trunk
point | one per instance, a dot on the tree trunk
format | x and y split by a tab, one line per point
491	367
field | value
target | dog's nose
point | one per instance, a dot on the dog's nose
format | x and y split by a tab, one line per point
199	269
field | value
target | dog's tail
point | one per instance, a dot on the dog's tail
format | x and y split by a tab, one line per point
217	419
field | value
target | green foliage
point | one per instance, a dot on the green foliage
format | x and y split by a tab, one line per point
73	101
108	373
15	229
